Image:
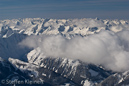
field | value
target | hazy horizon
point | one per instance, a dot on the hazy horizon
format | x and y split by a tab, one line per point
64	9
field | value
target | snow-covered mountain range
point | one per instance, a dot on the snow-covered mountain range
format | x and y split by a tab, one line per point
53	51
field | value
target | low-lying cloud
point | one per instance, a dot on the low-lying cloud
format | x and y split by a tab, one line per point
106	48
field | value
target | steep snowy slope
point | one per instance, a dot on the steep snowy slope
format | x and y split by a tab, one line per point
118	79
8	72
74	70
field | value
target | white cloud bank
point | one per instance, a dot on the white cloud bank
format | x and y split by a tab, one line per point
106	48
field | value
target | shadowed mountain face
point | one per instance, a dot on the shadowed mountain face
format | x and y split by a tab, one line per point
51	75
9	47
31	65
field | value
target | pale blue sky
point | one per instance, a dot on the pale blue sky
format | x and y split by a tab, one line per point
104	9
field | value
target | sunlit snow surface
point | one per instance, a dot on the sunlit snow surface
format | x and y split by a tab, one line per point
55	26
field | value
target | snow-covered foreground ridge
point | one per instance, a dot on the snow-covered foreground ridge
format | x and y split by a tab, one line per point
66	51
